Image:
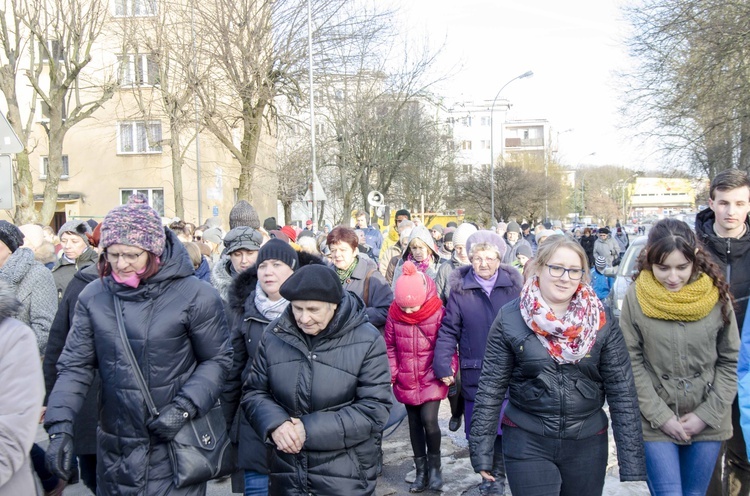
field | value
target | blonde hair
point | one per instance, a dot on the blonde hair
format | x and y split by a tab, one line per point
195	254
547	249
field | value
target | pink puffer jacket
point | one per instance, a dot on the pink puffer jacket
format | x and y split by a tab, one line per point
410	351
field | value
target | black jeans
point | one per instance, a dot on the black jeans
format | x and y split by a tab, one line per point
543	466
424	430
731	476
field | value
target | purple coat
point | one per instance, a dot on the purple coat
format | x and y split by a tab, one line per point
469	314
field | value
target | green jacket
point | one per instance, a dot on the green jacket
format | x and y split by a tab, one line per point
682	367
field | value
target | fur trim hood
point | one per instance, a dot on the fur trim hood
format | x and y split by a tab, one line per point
244	285
507	276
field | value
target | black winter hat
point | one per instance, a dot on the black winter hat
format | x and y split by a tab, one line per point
243	214
10	235
276	249
313	282
270	224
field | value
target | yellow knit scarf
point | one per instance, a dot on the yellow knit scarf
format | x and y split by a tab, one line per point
691	303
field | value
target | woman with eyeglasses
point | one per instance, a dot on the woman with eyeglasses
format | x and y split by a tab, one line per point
477	292
679	325
559	354
176	328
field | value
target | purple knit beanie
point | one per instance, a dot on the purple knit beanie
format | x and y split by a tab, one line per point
135	224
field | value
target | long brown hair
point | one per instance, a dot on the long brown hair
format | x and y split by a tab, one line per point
669	235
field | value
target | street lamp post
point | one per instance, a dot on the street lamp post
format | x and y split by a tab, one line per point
492	143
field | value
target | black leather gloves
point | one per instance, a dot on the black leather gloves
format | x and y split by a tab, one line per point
171	419
60	455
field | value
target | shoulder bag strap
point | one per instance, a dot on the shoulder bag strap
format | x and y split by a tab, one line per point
366	294
131	358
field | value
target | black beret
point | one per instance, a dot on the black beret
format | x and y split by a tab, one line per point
313	282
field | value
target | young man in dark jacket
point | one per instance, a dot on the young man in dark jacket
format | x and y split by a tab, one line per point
723	229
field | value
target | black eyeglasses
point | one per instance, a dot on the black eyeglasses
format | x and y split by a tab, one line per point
130	258
557	271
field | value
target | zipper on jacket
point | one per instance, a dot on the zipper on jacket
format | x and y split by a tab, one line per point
729	262
562	399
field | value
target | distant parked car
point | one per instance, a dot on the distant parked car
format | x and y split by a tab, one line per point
623	274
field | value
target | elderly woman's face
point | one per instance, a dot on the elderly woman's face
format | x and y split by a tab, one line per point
312	316
126	260
342	255
558	291
485	263
419	250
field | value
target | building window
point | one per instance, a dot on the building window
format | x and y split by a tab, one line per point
135	8
45	168
155	197
466	168
486	144
485	121
466	121
139	137
54	49
466	145
45	111
320	129
138	70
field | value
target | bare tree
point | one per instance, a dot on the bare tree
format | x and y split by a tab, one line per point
158	66
64	33
689	89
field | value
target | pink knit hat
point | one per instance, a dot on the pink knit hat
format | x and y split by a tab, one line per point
411	287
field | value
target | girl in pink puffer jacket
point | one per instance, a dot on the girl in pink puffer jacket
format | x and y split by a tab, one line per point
410	335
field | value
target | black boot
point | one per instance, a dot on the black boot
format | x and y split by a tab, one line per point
436	473
420	482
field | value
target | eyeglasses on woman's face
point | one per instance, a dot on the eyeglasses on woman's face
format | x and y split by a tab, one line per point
558	271
129	258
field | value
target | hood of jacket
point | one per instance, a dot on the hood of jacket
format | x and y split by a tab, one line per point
87	274
18	265
88	257
420	232
175	264
704	229
245	283
348	315
507	276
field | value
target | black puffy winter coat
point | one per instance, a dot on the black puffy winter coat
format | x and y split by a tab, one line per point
338	386
84	426
178	332
247	325
732	255
561	401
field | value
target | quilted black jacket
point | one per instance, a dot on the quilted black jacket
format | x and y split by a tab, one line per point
554	400
340	387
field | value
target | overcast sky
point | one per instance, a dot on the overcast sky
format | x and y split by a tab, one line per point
574	48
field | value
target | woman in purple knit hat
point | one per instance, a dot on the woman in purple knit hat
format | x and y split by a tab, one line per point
176	328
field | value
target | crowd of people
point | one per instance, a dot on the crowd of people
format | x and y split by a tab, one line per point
306	340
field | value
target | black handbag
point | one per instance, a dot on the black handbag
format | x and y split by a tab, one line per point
201	450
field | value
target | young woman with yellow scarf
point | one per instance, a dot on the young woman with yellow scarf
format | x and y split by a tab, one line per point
679	325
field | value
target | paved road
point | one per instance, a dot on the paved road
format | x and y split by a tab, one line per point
458	475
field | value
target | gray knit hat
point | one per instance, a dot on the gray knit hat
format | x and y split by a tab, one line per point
243	214
78	227
135	224
514	227
462	233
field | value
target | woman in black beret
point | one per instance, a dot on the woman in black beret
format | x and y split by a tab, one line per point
319	389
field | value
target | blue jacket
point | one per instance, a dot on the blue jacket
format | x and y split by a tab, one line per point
469	314
743	381
601	284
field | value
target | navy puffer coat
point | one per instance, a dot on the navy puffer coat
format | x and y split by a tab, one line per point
338	385
178	332
469	314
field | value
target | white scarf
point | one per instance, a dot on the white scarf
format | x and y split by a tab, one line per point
269	309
